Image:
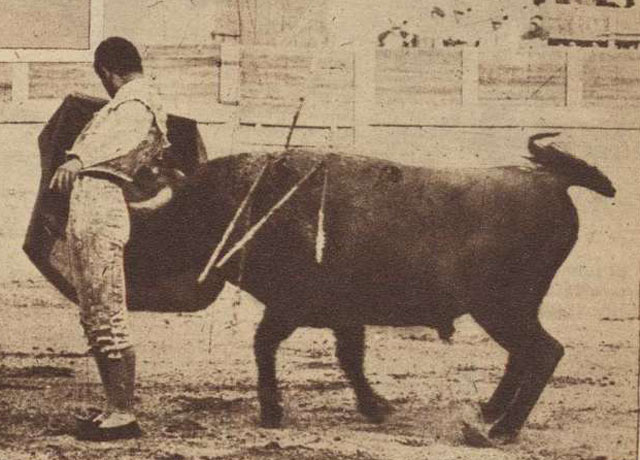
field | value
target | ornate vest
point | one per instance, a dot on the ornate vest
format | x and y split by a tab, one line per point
151	147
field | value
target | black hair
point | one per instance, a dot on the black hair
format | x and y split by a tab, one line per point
118	55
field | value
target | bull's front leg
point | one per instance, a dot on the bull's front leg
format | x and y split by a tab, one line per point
507	389
268	336
350	346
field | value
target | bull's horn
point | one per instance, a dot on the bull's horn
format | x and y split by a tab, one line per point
160	199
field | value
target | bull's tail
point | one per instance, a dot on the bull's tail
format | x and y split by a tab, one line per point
574	170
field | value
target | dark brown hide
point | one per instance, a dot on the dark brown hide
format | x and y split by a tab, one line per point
405	246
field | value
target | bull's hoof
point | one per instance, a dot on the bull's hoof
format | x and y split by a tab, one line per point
375	409
270	423
473	437
445	332
501	435
271	418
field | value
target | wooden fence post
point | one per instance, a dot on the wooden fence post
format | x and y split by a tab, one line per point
333	139
229	89
20	82
97	23
229	82
574	73
364	95
233	127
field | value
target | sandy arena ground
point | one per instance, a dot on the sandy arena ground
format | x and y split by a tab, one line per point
196	386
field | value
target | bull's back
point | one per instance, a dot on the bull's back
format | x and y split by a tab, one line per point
438	243
409	245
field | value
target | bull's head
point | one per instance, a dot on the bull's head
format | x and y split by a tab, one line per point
155	188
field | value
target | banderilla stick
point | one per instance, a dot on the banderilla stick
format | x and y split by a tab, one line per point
253	230
230	227
294	123
321	236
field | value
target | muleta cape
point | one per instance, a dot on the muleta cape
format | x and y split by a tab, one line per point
166	287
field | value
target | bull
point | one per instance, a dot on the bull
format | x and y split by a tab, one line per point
402	246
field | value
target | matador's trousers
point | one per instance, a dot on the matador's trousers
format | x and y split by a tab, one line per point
97	231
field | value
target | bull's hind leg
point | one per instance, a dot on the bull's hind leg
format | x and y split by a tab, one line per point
268	336
350	346
533	356
541	355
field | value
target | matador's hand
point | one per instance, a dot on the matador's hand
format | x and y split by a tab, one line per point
62	180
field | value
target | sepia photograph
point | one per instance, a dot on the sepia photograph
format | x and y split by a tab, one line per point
308	230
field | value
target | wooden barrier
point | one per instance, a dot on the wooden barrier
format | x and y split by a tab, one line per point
359	87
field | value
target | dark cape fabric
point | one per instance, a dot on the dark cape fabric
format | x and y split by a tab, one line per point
160	288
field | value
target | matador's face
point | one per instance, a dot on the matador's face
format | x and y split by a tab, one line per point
108	80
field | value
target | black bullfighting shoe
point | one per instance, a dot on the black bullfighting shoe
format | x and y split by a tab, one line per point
90	429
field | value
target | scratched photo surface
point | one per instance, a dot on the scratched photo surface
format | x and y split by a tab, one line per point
366	98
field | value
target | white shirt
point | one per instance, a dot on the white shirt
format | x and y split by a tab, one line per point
121	125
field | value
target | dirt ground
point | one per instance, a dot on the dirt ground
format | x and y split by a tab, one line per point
196	395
